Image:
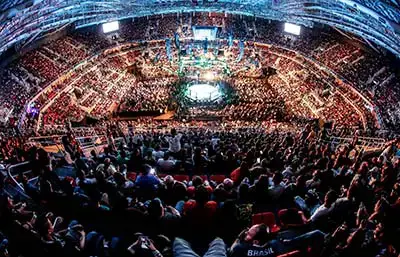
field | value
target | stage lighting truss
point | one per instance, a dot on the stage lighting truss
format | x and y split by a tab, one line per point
25	21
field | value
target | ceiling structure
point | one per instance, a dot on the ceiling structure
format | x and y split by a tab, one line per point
23	21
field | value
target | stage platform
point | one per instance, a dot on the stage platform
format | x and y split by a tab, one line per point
166	116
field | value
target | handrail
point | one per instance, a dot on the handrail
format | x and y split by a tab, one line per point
361	142
9	169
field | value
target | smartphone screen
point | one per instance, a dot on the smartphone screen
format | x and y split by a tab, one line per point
144	243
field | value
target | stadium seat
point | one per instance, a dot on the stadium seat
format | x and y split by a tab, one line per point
296	253
267	218
181	178
131	176
218	178
291	217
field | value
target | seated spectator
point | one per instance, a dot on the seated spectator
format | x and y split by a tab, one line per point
147	183
257	241
200	162
277	187
149	159
240	173
122	183
80	164
166	164
122	157
162	220
324	209
145	149
147	247
181	248
292	223
107	167
97	245
48	232
157	153
135	162
200	213
75	237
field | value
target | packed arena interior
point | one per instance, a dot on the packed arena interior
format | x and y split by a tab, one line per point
200	128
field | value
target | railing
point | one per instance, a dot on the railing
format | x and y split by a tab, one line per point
366	143
13	187
88	139
15	170
49	142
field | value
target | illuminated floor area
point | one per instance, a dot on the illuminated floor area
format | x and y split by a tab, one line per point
203	92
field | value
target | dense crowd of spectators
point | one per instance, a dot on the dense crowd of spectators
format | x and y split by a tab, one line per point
38	68
96	89
253	184
149	95
283	96
209	190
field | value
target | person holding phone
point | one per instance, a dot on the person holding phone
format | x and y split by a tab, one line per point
144	247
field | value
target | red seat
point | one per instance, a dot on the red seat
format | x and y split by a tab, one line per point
70	180
204	177
131	176
282	212
162	175
295	216
267	218
296	253
218	178
181	178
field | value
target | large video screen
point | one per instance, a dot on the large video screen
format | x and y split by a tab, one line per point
292	28
201	33
110	26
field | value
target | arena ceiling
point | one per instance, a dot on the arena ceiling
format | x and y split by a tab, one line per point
22	21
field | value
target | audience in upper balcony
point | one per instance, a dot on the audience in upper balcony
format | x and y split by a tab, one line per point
34	71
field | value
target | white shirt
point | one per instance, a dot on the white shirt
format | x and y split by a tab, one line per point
214	142
158	155
174	143
86	181
322	210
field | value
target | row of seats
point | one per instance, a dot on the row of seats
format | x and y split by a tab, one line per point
268	218
217	178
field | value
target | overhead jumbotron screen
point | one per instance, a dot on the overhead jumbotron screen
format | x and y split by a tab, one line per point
201	33
292	28
110	26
